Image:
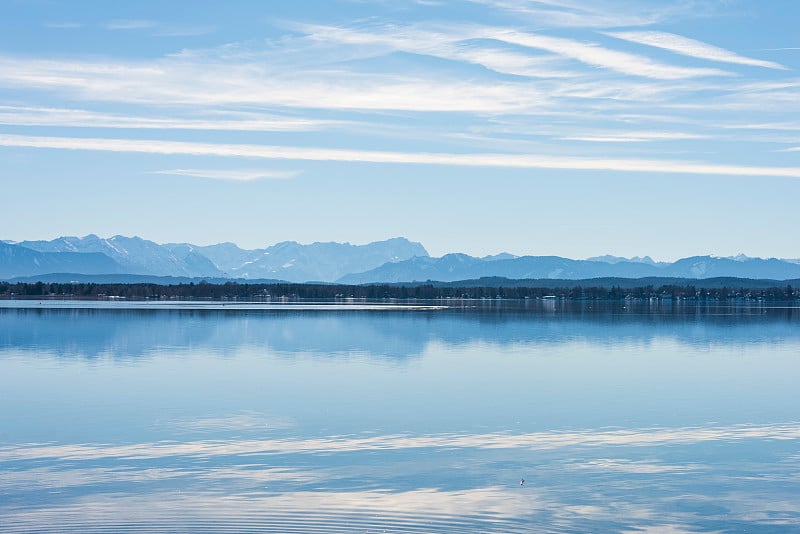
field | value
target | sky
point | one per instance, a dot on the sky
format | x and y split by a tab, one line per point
552	127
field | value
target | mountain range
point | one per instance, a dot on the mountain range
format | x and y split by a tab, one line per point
288	261
394	260
455	267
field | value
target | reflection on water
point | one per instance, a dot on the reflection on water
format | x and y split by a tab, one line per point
132	333
619	418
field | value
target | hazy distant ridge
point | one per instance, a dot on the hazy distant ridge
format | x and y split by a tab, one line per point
455	267
16	260
134	254
322	262
394	260
290	261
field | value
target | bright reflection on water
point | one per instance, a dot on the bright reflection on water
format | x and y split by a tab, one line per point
209	418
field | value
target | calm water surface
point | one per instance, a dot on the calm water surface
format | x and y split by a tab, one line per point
193	418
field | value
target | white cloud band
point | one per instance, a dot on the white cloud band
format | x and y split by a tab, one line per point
518	161
692	48
237	175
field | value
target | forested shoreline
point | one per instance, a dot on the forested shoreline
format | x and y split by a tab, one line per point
232	291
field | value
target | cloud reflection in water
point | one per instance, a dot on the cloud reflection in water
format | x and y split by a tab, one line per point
303	484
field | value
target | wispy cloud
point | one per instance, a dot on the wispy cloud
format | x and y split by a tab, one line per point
780	126
634	137
185	31
63	25
692	48
221	81
759	98
559	87
312	72
563	13
222	120
317	68
236	175
450	42
444	43
367	156
162	30
130	24
598	56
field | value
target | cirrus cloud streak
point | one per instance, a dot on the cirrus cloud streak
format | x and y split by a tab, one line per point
236	175
692	48
274	152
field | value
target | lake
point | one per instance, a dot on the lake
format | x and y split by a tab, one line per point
211	417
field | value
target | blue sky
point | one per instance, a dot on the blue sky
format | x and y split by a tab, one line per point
568	127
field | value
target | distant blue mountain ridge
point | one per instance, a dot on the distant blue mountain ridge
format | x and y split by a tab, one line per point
395	260
16	259
454	267
289	261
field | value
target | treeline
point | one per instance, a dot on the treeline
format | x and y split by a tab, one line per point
266	292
